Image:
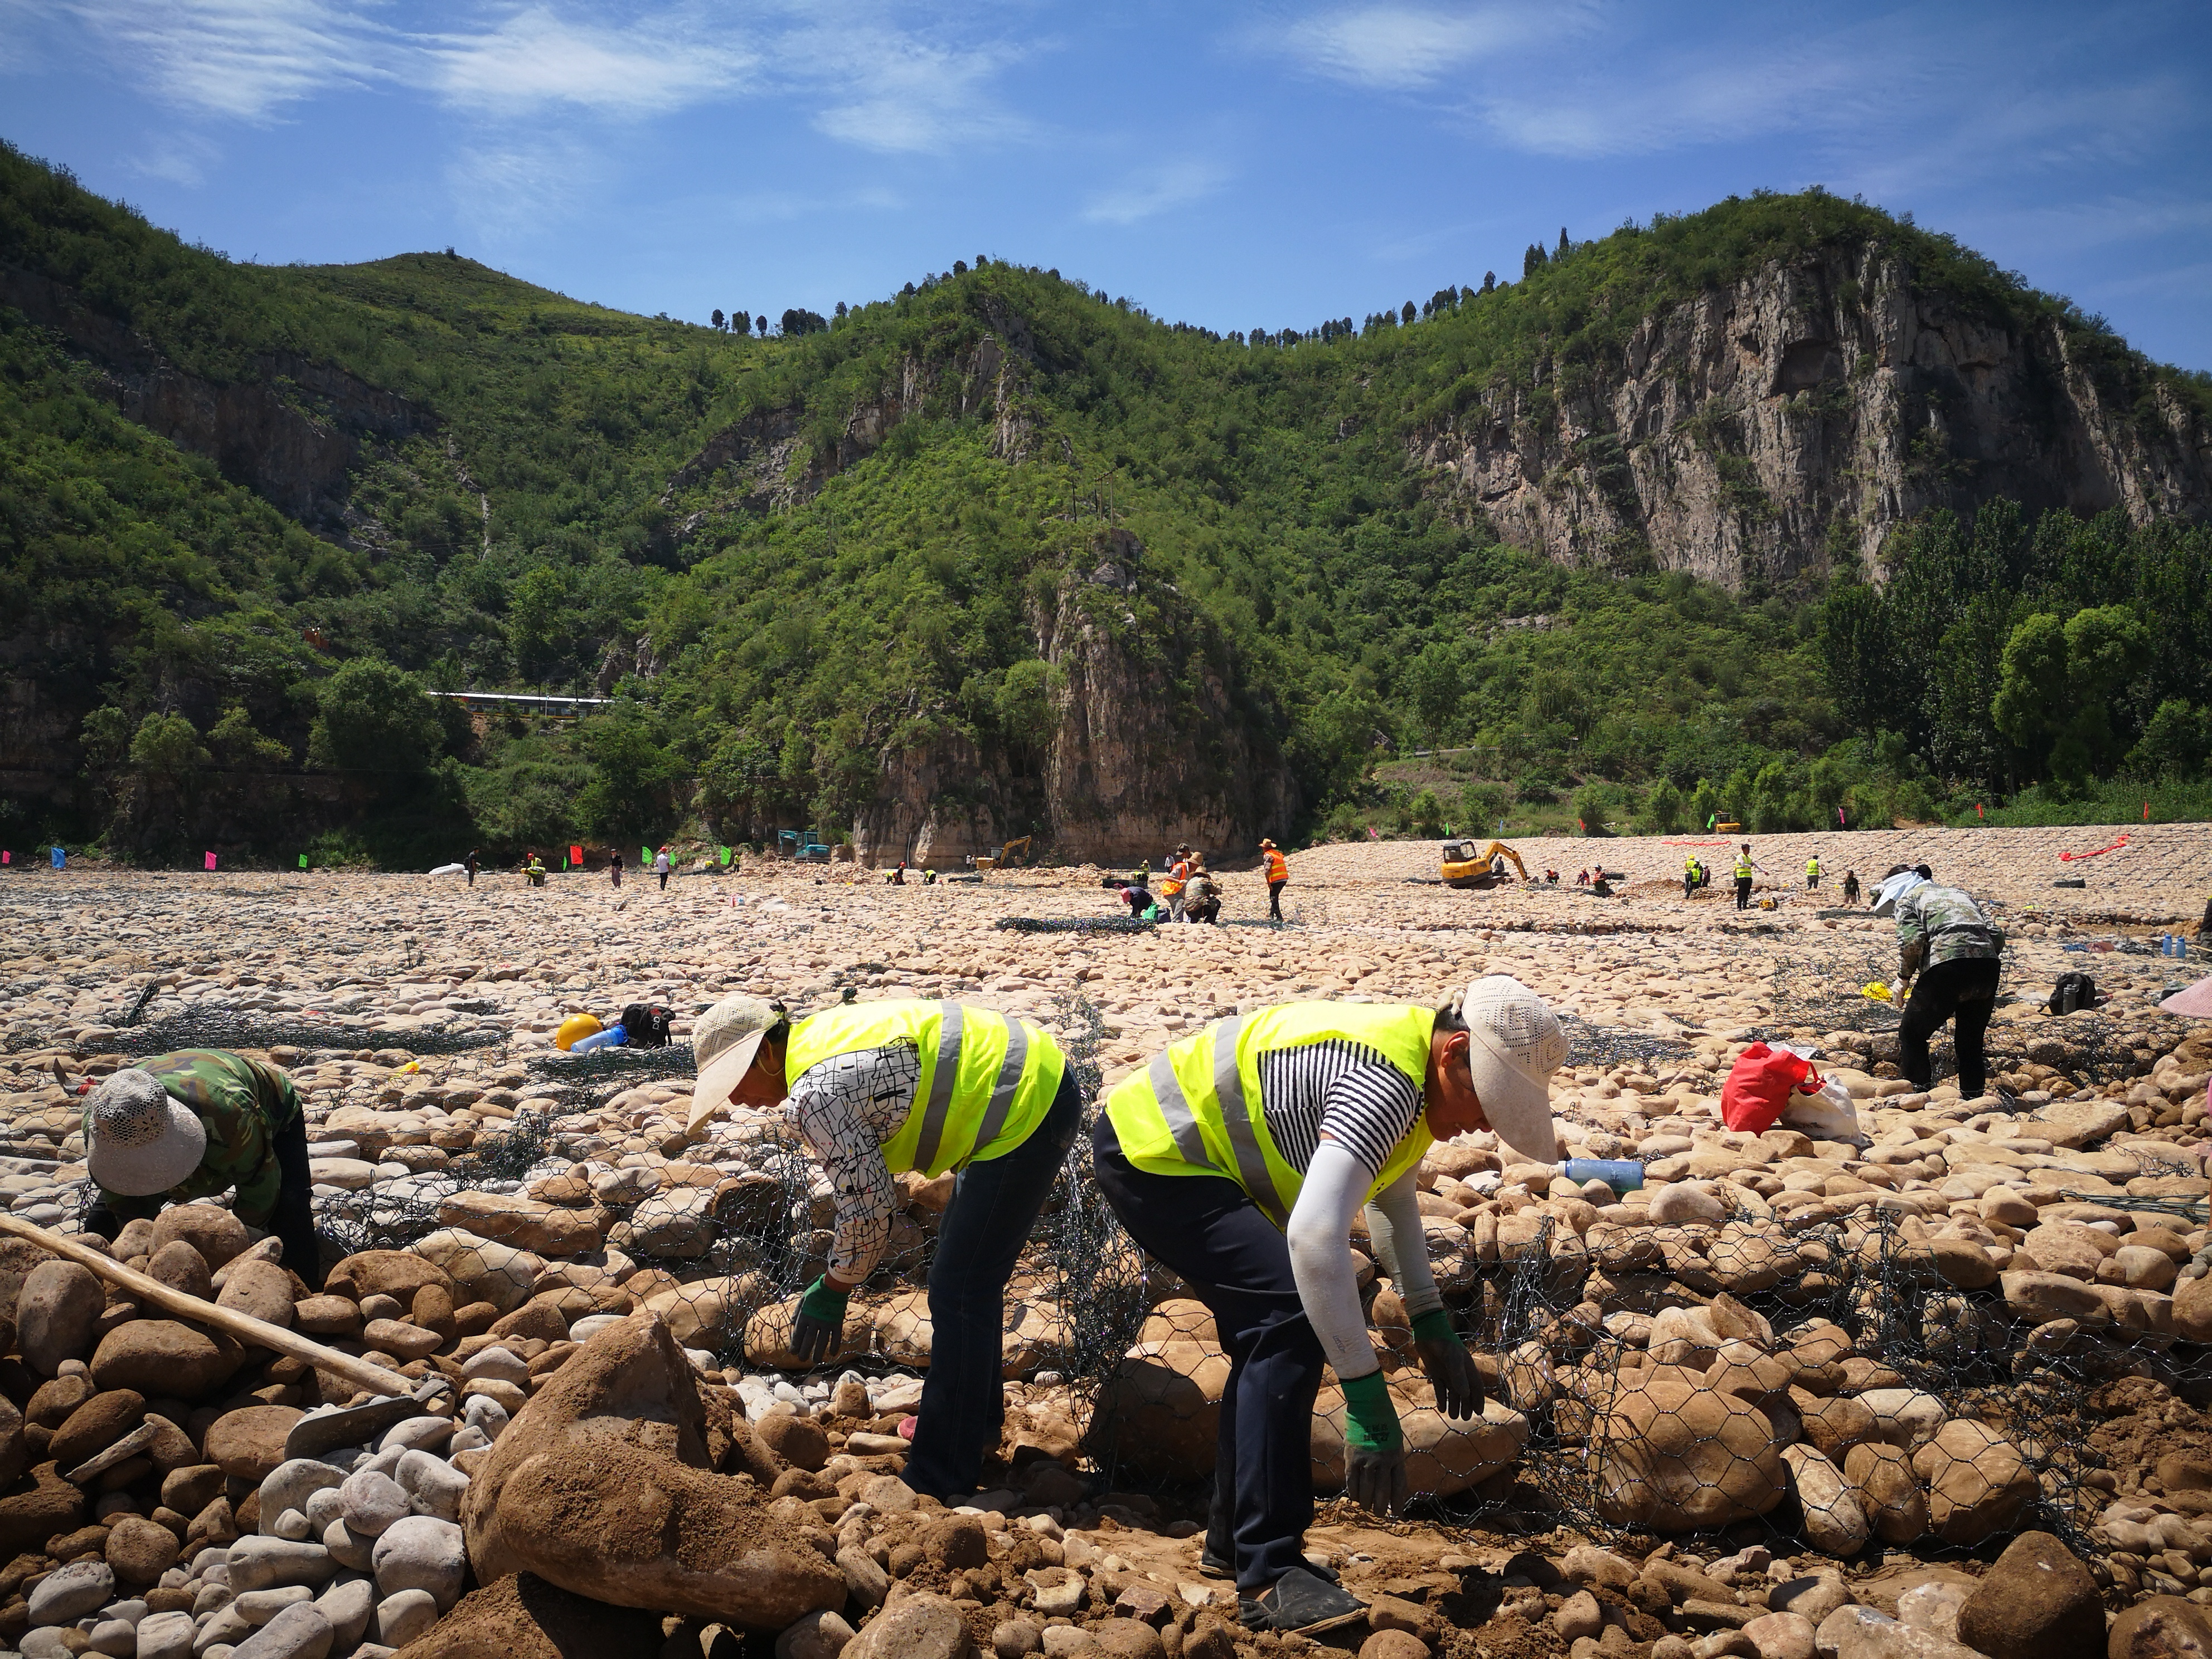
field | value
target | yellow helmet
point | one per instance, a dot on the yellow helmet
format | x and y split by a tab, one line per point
574	1030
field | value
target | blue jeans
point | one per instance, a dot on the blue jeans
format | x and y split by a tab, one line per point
1238	1263
994	1205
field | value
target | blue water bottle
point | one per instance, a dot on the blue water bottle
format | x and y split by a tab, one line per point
1623	1175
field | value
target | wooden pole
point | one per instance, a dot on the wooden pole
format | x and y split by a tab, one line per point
256	1333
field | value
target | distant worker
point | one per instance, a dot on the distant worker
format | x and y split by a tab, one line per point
470	864
1278	870
1551	878
1945	939
1689	875
1582	878
1850	887
1240	1158
1178	877
532	870
1813	873
615	867
1141	904
1202	898
1745	865
660	865
897	877
198	1124
879	1089
1498	867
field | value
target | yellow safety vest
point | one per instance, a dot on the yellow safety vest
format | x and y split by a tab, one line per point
986	1079
1196	1110
1743	869
1812	866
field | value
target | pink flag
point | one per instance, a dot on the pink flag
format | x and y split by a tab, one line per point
211	860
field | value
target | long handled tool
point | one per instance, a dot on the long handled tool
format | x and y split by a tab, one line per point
257	1333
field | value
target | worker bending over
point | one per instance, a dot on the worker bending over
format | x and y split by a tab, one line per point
875	1087
1690	872
196	1124
1278	873
1240	1158
1745	864
1957	951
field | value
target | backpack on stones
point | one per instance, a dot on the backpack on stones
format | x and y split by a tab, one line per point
648	1025
2072	991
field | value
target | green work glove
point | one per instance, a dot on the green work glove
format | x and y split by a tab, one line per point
1449	1366
1374	1449
820	1325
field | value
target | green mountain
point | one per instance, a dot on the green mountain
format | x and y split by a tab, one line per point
1787	500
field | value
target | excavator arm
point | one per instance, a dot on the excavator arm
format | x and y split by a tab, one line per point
1464	867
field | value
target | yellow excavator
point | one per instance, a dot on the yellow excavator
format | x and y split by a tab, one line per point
1466	868
1011	854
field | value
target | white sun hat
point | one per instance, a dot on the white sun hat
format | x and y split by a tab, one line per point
723	1040
139	1142
1514	1045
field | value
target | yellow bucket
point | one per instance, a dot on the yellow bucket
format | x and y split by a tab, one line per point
1875	989
574	1030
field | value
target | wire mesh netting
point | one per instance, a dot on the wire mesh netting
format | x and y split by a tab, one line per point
1830	1371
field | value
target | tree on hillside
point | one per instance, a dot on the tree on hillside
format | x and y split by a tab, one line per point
1533	260
1490	281
2057	682
1408	312
761	323
375	719
797	321
716	317
1564	244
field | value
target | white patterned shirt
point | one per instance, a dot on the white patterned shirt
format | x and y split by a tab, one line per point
848	1107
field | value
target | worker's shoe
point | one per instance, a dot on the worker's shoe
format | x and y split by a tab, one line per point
1212	1564
1299	1601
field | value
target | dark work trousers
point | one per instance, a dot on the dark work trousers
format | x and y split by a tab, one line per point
1238	1263
1964	990
1276	900
664	880
994	1205
293	1221
1743	892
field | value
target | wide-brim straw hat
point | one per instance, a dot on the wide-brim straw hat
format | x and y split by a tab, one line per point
139	1140
725	1040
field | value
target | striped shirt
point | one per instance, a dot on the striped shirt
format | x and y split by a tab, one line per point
1363	1103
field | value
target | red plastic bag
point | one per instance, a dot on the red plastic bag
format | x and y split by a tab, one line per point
1757	1088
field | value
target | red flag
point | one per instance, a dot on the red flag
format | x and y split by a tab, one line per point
575	855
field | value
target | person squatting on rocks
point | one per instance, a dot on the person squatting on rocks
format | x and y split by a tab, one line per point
1850	887
194	1124
1278	873
1745	864
1957	951
909	1086
1201	899
1239	1158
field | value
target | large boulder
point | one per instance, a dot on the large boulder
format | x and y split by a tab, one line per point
395	1273
2160	1627
710	1313
482	1269
27	1519
604	1485
1978	1482
1675	1457
1834	1522
260	1289
211	1229
18	1257
2037	1602
1444	1456
768	1337
524	1223
55	1310
523	1617
922	1626
677	1223
165	1357
1164	1404
1888	1492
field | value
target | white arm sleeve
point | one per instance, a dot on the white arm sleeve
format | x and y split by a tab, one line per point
1320	1236
1401	1245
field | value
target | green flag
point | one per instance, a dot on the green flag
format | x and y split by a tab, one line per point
644	858
303	861
725	858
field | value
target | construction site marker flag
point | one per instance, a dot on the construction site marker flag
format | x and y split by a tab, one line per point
575	855
211	860
303	861
644	858
60	857
1978	811
725	858
2146	812
7	857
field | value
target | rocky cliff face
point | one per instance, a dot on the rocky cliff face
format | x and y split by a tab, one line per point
1754	433
292	432
1151	743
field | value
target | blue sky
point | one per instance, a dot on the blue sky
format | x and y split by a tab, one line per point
1239	166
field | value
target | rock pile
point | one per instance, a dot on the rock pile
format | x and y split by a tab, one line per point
1817	1341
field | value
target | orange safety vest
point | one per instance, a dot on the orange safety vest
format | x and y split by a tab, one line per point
1278	870
1176	877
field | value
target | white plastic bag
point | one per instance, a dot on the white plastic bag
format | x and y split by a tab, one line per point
1828	1115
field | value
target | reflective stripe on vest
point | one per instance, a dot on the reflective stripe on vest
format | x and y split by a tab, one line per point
1222	1131
1277	868
986	1079
1743	869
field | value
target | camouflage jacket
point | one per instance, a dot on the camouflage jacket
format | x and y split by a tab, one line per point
242	1103
1943	924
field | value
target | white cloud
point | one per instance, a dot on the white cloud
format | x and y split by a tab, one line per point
183	158
1402	48
1177	184
243	59
901	92
534	56
502	190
